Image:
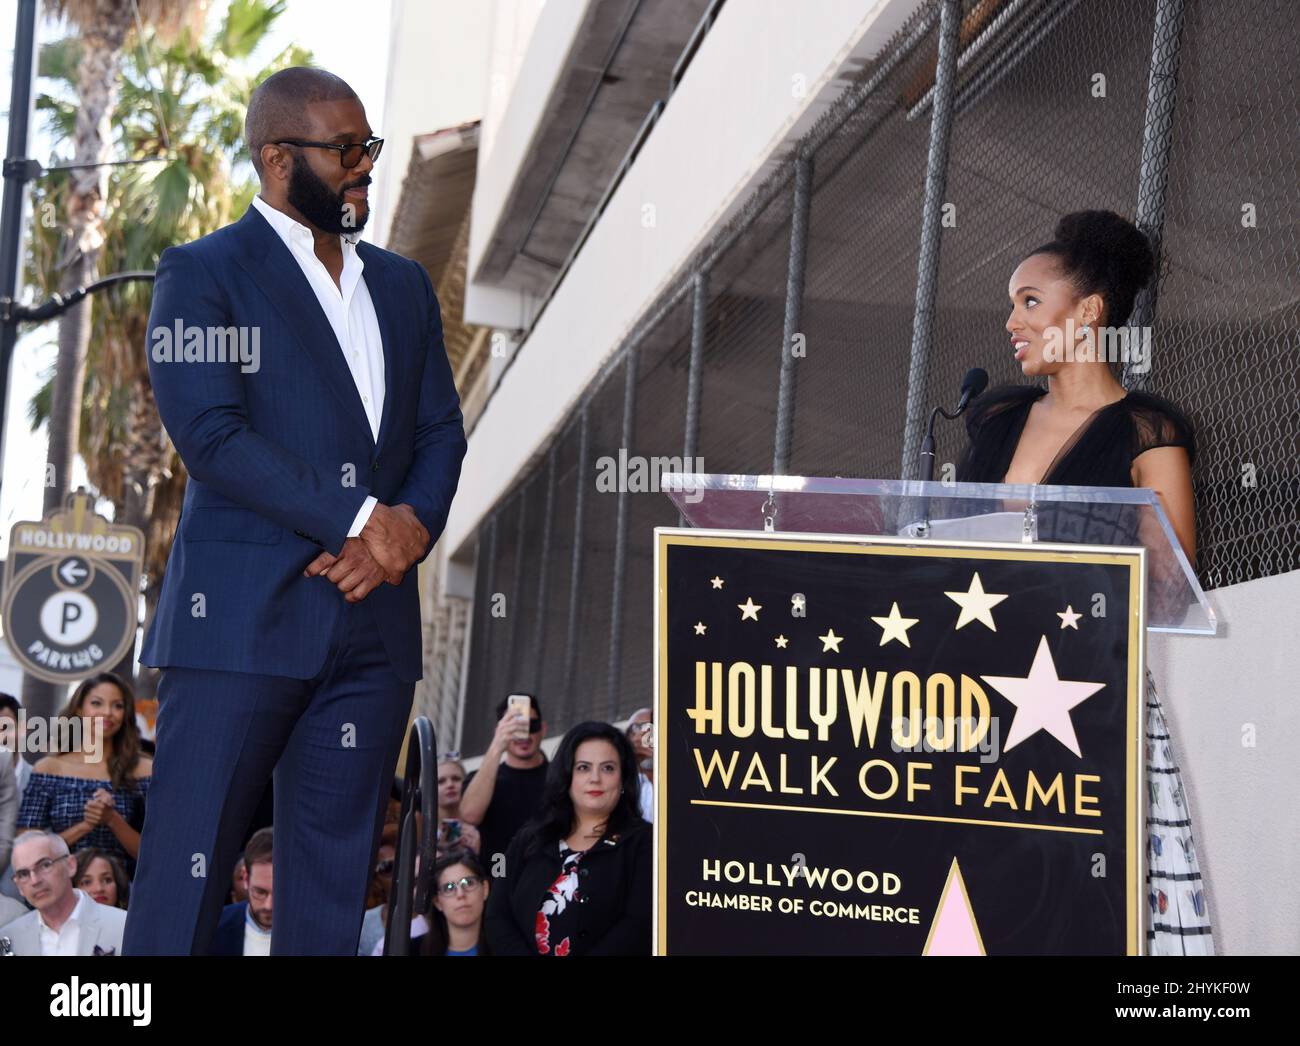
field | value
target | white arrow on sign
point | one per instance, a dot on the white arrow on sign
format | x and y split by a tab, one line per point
72	572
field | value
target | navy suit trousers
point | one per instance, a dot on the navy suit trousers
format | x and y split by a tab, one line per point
331	741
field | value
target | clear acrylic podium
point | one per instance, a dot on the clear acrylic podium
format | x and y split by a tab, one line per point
986	512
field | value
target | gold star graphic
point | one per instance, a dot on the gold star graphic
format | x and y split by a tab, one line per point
895	626
782	642
700	628
717	582
830	641
749	609
975	603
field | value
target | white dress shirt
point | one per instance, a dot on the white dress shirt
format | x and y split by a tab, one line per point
64	940
351	314
256	940
647	797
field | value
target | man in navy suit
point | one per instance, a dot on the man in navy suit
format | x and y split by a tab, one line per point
303	379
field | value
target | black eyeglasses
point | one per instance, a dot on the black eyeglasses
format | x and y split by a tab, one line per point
350	153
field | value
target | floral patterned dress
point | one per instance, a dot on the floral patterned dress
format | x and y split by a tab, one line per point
554	926
1178	918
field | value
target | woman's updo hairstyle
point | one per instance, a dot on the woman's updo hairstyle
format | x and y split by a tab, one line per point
1103	253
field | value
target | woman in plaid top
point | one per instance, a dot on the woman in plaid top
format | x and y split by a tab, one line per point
94	796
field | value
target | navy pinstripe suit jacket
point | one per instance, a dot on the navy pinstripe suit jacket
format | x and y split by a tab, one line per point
280	453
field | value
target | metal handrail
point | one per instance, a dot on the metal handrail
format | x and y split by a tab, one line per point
410	890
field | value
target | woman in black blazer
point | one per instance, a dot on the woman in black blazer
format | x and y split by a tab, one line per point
578	876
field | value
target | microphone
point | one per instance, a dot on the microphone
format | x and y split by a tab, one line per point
975	382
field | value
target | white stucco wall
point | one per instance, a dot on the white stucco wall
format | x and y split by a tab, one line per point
1243	799
437	77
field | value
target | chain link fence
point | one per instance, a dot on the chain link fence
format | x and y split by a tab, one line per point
814	331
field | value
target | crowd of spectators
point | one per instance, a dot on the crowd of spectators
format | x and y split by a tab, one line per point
533	855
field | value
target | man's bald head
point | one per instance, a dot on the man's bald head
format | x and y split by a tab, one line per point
276	110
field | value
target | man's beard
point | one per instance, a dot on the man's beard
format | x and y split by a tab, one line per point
323	207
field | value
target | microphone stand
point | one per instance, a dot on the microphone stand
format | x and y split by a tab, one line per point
974	383
926	463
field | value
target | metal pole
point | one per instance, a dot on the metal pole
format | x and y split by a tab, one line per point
1157	138
695	373
539	621
695	376
803	176
486	651
575	572
513	661
927	266
17	171
620	542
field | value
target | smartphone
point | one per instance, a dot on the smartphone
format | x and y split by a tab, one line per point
450	831
520	704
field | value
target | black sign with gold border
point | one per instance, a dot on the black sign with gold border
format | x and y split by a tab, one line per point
884	746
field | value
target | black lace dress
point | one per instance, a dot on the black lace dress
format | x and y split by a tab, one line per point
1101	453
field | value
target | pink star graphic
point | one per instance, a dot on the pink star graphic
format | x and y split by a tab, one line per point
1043	701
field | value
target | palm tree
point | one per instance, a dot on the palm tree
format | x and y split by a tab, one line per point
179	108
102	29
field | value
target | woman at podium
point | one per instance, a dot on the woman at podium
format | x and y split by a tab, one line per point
1070	301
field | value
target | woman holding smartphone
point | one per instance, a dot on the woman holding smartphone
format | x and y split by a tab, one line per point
453	832
578	876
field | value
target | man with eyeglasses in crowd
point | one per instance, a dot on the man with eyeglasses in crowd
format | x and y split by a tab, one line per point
66	921
321	473
245	927
503	793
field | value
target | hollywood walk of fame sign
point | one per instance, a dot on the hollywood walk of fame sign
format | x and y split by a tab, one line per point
892	747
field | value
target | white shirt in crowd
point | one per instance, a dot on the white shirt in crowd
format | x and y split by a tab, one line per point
256	940
66	939
647	798
351	314
419	927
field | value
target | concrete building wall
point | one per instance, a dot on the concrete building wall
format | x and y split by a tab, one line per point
792	56
1231	702
437	77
